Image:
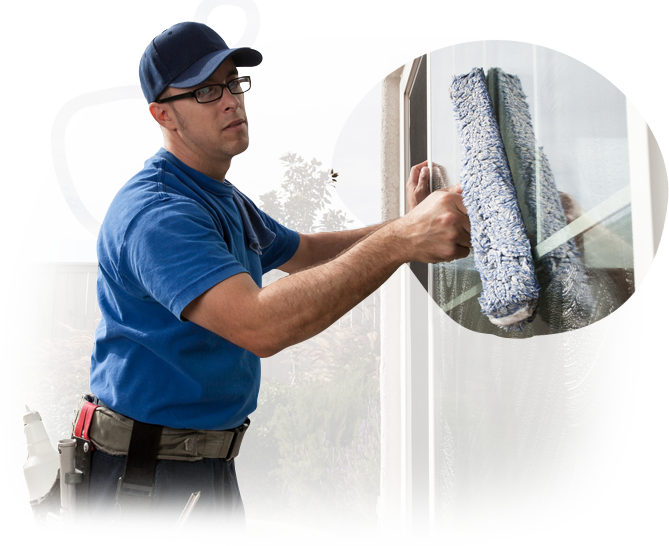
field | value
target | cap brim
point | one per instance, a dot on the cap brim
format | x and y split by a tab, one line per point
207	65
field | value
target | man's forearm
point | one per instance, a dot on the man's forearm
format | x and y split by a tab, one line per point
301	305
294	308
317	248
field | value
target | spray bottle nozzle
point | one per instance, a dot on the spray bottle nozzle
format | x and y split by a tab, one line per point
30	416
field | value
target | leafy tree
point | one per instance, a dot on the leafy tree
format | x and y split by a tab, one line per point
301	203
304	193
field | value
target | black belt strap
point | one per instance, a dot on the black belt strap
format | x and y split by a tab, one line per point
136	485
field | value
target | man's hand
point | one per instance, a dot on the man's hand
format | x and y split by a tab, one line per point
438	229
572	210
418	185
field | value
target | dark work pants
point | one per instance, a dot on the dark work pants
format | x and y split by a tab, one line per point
220	503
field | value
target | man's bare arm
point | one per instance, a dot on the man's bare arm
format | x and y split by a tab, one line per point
316	248
294	308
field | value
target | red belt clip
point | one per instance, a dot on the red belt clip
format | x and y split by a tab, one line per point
84	422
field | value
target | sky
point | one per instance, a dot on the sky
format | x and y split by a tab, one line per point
335	117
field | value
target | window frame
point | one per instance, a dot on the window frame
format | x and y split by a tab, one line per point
646	62
415	55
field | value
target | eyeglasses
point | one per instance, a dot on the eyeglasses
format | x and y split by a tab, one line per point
214	91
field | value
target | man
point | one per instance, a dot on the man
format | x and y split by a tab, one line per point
184	318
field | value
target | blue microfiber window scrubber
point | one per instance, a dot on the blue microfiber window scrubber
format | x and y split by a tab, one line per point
502	251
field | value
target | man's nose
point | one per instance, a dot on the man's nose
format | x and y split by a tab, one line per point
229	102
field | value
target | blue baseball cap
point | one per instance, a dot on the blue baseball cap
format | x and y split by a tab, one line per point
185	55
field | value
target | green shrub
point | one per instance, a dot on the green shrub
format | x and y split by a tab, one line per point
352	342
56	375
321	416
354	478
261	447
57	414
302	201
259	455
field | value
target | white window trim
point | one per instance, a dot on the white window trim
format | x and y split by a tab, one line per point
406	85
430	327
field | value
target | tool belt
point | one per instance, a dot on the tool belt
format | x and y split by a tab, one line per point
110	432
95	426
144	444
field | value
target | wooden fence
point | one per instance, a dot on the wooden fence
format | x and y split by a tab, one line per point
33	295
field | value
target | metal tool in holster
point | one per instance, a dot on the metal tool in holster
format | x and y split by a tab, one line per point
63	525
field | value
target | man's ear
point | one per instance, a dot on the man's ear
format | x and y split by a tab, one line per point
162	115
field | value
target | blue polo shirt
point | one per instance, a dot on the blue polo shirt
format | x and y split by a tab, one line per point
170	234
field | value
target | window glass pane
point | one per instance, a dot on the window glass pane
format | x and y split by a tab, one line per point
541	429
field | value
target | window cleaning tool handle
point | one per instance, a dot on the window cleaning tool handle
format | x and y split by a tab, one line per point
183	518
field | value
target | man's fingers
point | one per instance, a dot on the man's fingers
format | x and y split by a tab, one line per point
466	240
419	166
454	251
424	179
457	188
415	173
459	204
462	251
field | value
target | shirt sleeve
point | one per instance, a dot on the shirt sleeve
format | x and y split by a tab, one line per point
282	248
173	252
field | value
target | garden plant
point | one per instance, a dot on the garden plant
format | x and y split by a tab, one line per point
304	194
329	432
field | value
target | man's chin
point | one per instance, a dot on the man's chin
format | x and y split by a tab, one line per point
241	146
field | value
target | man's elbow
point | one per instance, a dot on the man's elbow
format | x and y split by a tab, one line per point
266	352
261	346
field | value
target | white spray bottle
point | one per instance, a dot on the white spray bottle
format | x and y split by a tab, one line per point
43	464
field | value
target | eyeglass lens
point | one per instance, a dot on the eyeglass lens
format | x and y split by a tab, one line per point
214	92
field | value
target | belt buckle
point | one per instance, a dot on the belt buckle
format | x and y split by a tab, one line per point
237	439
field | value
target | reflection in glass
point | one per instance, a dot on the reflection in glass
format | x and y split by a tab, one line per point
541	429
566	302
